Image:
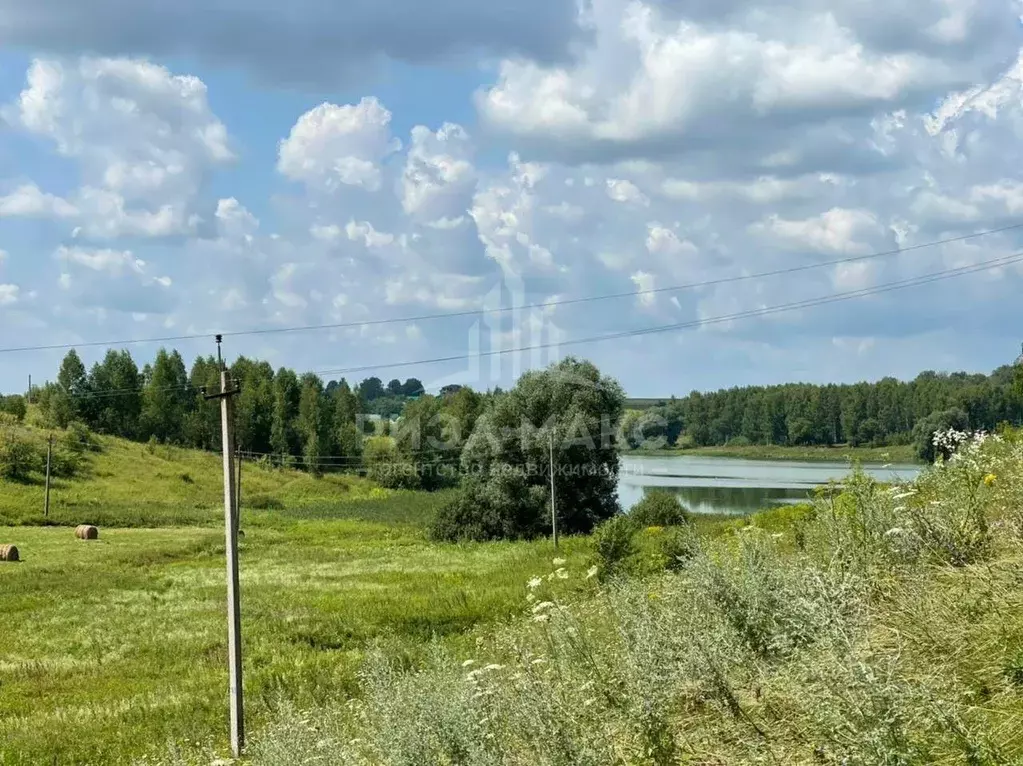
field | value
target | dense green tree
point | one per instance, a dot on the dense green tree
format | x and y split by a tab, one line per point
507	459
370	389
202	427
166	399
394	388
412	387
345	410
253	407
117	412
285	441
68	399
313	422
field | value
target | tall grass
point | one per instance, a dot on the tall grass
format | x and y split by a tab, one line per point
886	627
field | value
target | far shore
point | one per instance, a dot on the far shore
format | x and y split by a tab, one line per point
839	453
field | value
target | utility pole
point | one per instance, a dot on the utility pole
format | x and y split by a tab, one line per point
554	515
234	620
49	460
238	496
30	388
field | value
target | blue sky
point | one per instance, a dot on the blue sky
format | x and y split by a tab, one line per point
197	167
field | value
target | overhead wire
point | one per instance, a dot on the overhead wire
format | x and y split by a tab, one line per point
705	321
525	307
765	311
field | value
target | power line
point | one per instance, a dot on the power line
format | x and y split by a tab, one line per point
524	307
809	303
765	311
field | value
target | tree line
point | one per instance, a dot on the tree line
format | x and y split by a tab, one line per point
884	413
295	418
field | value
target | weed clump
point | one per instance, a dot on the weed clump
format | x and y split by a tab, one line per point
659	509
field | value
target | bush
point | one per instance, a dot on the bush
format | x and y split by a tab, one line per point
503	506
739	441
65	463
925	428
18	457
613	544
79	438
679	546
386	466
14	405
659	509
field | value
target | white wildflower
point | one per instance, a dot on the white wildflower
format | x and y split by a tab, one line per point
559	562
542	606
534	582
561	573
592	571
541	617
539	661
467	663
492	666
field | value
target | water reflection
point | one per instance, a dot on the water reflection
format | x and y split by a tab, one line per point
731	486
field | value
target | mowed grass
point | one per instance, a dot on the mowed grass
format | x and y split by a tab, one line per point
110	648
133	485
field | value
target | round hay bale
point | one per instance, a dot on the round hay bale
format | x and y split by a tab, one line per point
9	553
86	532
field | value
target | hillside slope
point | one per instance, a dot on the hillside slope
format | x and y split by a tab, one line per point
127	484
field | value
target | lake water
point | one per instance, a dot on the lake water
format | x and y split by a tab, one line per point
737	486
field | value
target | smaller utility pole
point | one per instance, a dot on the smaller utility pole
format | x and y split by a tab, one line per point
238	495
30	388
49	460
554	514
234	618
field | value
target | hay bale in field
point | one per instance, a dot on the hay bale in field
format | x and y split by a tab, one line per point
86	532
9	553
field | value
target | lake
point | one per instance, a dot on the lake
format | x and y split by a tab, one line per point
734	485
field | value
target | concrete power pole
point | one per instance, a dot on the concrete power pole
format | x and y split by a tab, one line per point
554	514
234	620
49	460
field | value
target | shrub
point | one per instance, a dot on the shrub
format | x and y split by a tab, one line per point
65	463
18	457
79	438
678	546
925	428
739	441
613	544
14	405
659	509
502	506
386	466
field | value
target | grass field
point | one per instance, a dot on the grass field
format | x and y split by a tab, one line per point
109	649
882	626
898	454
112	647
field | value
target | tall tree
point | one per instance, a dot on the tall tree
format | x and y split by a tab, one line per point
370	389
284	439
68	402
312	422
506	491
166	399
117	413
412	387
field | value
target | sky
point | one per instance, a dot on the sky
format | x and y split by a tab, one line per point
189	168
